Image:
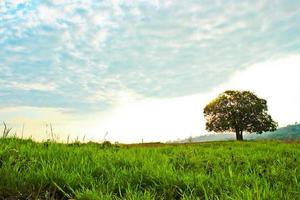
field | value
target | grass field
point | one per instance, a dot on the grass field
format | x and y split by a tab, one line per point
217	170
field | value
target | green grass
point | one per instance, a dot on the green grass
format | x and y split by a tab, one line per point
217	170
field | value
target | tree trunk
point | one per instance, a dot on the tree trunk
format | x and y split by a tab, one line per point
239	135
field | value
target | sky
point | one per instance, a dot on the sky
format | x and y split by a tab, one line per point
142	70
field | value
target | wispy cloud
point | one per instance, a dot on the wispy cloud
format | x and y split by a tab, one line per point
31	86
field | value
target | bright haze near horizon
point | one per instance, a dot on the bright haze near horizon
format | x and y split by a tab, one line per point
142	70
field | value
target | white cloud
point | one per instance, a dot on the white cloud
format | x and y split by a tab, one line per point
15	3
168	119
61	2
117	96
275	80
36	120
15	48
48	14
31	86
133	118
99	38
157	120
191	54
100	18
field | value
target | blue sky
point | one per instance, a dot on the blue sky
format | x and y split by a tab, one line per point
87	58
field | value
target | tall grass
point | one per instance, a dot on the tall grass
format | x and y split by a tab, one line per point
219	170
6	130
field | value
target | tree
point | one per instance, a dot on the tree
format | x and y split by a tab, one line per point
238	111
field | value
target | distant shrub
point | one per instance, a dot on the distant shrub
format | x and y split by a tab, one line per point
107	144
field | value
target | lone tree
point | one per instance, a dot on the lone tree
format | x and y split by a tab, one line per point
238	111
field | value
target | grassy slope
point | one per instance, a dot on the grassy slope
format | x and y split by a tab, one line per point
223	170
290	132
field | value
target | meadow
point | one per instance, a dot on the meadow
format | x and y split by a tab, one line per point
212	170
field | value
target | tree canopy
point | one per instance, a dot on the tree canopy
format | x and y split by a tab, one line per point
238	111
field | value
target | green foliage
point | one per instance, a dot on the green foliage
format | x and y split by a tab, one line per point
219	170
238	111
